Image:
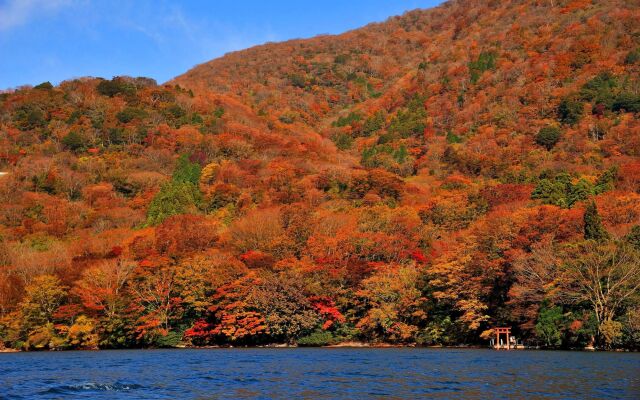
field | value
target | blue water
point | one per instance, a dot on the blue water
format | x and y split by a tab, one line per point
318	374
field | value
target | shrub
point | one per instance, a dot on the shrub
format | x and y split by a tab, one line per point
317	339
115	136
548	136
171	339
221	195
74	116
287	117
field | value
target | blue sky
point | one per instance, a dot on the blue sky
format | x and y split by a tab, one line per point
54	40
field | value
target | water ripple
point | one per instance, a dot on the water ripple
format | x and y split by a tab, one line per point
319	374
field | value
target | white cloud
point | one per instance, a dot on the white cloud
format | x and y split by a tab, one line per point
166	24
14	13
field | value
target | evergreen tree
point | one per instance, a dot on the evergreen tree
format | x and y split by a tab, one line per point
579	192
570	110
186	171
179	196
548	136
633	237
550	324
593	228
606	181
173	198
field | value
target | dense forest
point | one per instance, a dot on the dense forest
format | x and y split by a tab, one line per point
417	181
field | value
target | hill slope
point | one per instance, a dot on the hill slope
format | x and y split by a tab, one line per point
418	180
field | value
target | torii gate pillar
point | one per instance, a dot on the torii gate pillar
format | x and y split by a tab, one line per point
499	331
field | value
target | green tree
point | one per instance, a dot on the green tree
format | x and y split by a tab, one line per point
579	192
633	57
341	58
129	114
180	196
74	141
373	124
453	138
44	86
410	121
186	171
550	324
298	81
401	154
350	119
551	192
600	90
561	192
629	102
633	237
570	110
173	198
342	141
29	116
593	228
486	61
115	86
548	136
606	181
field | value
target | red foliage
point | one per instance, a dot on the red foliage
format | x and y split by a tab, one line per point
257	259
182	234
328	311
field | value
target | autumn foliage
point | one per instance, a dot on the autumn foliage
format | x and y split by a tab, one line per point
418	181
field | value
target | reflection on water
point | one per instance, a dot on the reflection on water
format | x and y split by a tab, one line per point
319	373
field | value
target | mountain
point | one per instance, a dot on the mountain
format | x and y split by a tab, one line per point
420	180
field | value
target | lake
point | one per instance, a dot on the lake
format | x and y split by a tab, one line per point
318	374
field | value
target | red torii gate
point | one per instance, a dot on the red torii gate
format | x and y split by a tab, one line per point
499	331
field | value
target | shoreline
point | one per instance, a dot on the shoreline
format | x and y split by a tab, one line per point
10	351
342	345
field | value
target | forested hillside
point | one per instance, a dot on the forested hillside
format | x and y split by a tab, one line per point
420	180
